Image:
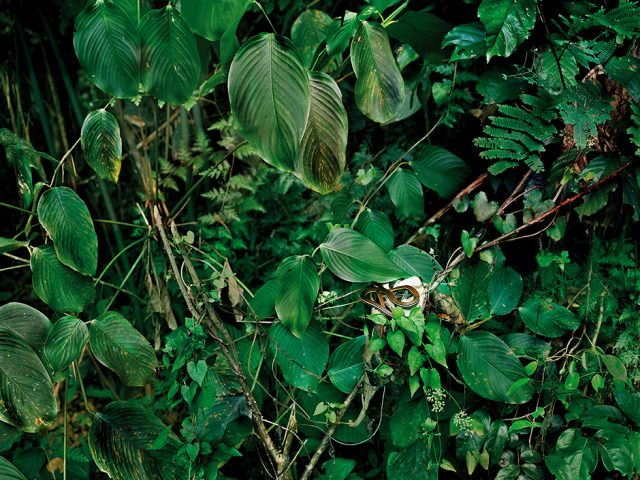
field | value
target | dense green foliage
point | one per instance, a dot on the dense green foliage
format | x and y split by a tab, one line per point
334	240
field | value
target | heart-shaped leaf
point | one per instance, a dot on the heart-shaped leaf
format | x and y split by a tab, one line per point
308	31
406	193
170	59
379	87
68	222
377	227
489	368
66	340
547	318
108	47
102	144
26	392
353	257
57	285
346	364
302	360
269	96
440	170
508	24
211	18
26	322
298	286
121	439
322	156
120	347
197	371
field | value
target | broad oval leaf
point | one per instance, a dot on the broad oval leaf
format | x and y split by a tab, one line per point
298	286
102	144
308	31
440	170
323	148
470	292
379	89
353	257
121	440
406	193
407	421
505	290
211	18
68	222
424	32
263	304
123	349
547	318
415	262
489	368
108	47
26	322
302	360
26	391
346	364
67	338
508	23
170	59
58	286
9	472
269	96
377	227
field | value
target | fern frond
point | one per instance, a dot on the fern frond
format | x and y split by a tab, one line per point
624	20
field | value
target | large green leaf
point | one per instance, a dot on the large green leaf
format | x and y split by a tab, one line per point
298	286
415	261
508	24
57	285
121	440
575	456
547	318
26	322
323	148
379	87
505	290
211	18
413	462
102	144
308	31
406	193
302	360
9	472
423	31
440	170
263	304
120	347
354	258
346	364
269	96
68	222
66	340
170	59
470	292
377	227
406	422
216	418
108	47
490	368
26	392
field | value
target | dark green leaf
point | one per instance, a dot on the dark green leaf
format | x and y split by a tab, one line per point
299	284
575	456
26	322
440	170
108	47
470	292
411	463
57	285
68	222
346	364
424	32
379	89
120	442
377	227
527	345
269	94
489	368
9	435
26	392
407	422
211	18
263	304
415	261
616	454
66	340
508	24
9	472
216	418
120	347
9	244
308	31
467	40
170	60
505	290
353	257
629	403
406	193
102	144
547	318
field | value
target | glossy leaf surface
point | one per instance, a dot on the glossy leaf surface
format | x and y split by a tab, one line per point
102	144
298	286
67	338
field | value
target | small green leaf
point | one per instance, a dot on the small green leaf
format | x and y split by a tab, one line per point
483	209
299	285
547	318
508	24
505	290
346	364
440	170
353	257
615	366
121	348
102	144
406	193
9	244
26	322
415	360
170	60
395	339
58	286
377	227
197	371
68	222
66	340
379	89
